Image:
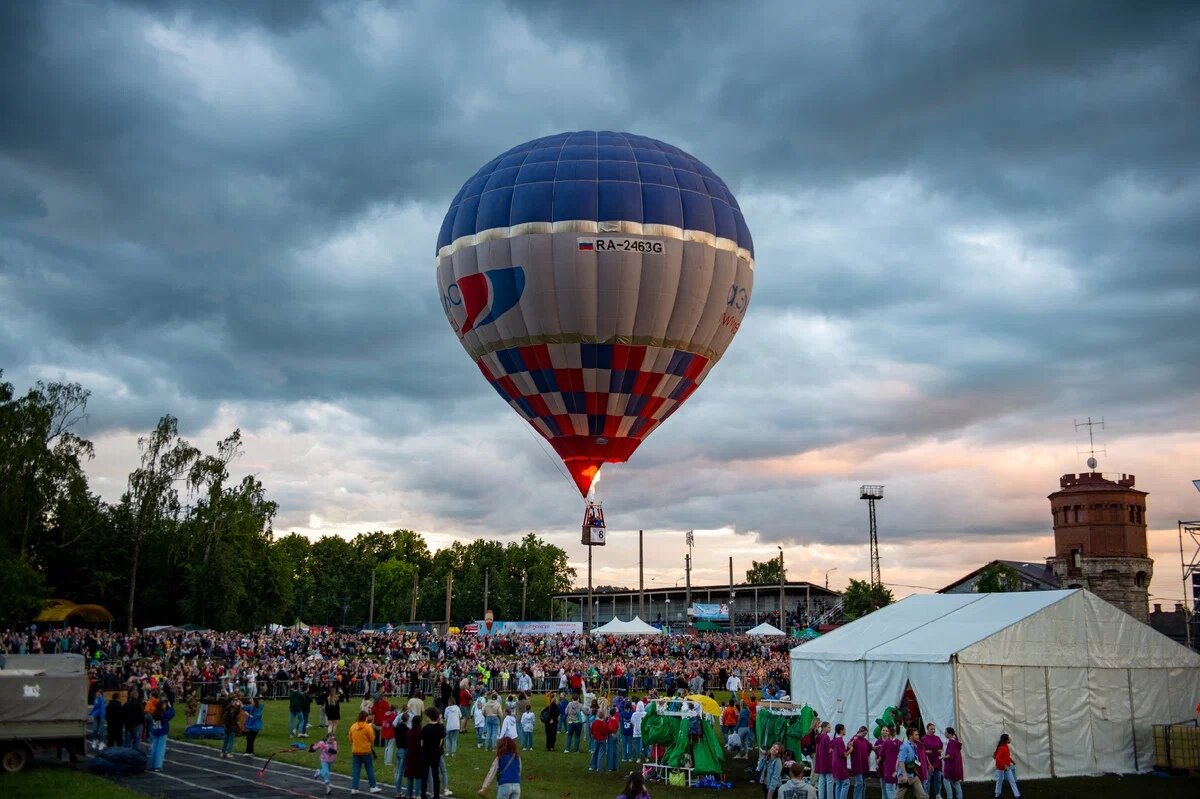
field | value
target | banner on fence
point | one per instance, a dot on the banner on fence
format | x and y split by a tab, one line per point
528	628
698	611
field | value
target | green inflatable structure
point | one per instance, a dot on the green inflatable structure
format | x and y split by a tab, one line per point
708	756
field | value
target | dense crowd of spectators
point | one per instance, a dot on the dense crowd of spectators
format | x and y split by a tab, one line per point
269	664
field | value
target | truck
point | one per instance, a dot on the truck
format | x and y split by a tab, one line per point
43	705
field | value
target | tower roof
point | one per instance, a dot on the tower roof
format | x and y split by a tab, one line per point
1095	481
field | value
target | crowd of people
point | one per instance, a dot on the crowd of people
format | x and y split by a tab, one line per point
596	691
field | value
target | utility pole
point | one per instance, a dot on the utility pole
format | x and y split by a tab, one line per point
641	580
587	625
487	573
731	627
782	620
412	613
371	610
449	593
687	596
524	583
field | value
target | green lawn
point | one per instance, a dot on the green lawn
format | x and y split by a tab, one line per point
559	776
52	781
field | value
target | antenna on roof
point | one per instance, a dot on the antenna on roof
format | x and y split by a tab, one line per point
1091	450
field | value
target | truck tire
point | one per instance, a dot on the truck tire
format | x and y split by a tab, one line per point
15	757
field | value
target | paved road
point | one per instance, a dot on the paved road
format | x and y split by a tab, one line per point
197	772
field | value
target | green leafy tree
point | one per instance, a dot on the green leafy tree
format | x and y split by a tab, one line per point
764	573
152	497
41	457
22	589
862	598
998	578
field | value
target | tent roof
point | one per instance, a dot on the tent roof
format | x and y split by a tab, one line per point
765	628
634	626
1023	628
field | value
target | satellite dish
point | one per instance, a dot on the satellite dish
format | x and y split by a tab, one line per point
1091	464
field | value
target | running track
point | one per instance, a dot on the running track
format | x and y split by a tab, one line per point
192	771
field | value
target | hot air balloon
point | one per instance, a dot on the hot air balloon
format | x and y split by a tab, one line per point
595	278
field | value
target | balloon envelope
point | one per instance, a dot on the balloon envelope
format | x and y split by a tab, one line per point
595	278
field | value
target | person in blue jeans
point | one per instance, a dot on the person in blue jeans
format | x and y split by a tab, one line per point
491	714
599	736
160	728
507	768
627	732
614	741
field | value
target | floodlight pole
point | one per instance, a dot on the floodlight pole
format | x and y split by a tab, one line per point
871	494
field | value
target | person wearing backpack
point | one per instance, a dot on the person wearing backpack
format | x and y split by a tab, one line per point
549	718
506	769
626	731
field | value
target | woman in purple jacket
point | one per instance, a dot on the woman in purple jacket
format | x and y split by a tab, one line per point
953	770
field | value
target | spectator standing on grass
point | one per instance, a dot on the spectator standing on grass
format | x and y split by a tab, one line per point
953	770
614	740
771	771
508	727
478	720
305	706
362	738
887	749
599	735
295	711
933	746
506	770
1005	768
114	717
574	723
433	735
797	787
400	731
639	748
453	716
414	770
134	716
838	767
333	710
527	721
387	734
860	762
491	718
549	717
908	773
160	728
254	723
97	716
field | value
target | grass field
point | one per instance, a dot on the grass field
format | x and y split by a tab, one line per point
556	775
46	781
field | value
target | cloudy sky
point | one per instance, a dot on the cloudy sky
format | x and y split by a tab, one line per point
973	225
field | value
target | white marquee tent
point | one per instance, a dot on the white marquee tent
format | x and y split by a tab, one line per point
1075	681
634	626
765	629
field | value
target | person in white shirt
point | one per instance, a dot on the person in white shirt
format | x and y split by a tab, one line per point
508	727
639	714
478	720
453	718
734	684
527	720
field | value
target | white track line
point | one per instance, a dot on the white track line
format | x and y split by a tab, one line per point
239	760
256	783
185	782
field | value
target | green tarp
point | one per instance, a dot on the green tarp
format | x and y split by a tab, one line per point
708	757
771	728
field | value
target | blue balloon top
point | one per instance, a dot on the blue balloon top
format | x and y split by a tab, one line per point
595	176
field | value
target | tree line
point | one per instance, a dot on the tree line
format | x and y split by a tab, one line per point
186	543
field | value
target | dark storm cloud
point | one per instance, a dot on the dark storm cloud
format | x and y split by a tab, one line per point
965	216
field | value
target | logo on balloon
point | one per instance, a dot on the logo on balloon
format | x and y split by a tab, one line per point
485	296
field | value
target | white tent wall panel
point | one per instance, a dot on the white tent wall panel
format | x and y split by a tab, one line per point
1151	705
1111	720
1003	699
1070	726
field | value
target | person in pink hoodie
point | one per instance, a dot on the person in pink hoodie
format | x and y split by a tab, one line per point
860	762
328	749
953	768
887	748
838	767
933	746
821	764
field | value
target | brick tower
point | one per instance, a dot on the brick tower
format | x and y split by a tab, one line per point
1100	539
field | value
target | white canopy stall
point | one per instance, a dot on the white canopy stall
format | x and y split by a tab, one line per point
1075	681
765	628
634	626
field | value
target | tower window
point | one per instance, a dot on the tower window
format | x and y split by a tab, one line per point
1076	509
1141	580
1076	558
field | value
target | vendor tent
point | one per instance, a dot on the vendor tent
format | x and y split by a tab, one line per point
1075	681
634	626
765	629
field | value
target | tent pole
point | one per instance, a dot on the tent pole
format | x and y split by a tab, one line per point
1132	721
1049	720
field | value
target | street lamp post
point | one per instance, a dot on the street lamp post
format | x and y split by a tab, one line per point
835	568
524	583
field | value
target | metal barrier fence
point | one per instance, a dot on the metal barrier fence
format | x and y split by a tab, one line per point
280	689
